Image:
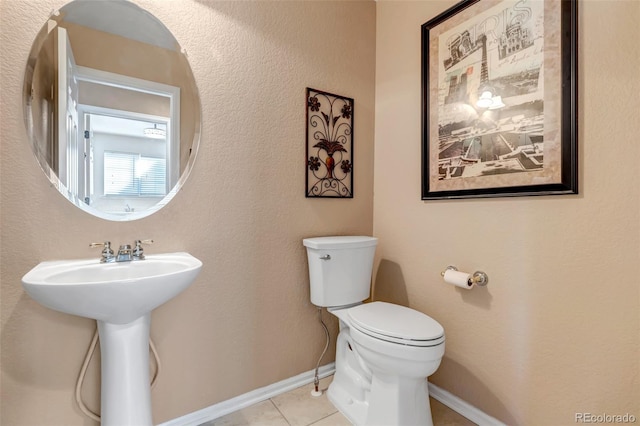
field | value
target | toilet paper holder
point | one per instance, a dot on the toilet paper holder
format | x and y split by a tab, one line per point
478	277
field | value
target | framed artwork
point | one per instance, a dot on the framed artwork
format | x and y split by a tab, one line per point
499	107
329	149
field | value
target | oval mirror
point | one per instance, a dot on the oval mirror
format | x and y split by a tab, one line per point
111	108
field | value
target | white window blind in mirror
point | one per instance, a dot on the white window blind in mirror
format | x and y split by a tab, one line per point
131	174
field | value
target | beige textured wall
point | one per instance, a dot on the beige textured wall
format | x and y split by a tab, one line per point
557	330
247	321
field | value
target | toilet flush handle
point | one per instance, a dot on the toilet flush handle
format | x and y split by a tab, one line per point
325	257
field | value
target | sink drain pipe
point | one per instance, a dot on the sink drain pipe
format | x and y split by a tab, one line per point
83	371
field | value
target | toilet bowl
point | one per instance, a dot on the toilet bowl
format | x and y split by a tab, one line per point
384	352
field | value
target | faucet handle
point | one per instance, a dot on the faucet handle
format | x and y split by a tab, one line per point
138	251
107	252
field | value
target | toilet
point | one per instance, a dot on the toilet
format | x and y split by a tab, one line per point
384	352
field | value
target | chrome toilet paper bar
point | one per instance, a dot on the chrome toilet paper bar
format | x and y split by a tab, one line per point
478	277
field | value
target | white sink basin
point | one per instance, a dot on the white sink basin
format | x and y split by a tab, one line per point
120	296
116	293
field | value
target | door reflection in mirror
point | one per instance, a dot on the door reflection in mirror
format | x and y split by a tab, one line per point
119	119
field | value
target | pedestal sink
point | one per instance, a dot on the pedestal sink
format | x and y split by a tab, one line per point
120	296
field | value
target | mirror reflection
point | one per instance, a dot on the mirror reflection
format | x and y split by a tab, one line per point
111	108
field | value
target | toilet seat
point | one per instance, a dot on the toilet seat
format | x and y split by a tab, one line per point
396	324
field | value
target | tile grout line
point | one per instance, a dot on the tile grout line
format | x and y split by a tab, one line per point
281	413
319	420
324	392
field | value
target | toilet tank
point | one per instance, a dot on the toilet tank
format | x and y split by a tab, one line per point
340	269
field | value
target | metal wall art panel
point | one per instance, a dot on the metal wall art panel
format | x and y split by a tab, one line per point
329	149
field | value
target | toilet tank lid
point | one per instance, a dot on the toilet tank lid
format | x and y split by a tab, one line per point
339	242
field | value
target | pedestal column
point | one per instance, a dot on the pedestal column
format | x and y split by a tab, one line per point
126	391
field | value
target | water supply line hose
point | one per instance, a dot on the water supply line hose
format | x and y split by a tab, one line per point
83	372
316	379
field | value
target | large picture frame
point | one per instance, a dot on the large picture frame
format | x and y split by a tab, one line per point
499	100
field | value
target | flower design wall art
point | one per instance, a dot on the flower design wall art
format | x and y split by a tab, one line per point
329	150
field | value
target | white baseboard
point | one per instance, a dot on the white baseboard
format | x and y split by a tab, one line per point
245	400
462	407
242	401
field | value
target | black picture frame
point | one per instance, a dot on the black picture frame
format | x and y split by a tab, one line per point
478	143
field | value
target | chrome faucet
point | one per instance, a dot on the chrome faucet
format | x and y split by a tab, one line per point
138	251
107	253
125	252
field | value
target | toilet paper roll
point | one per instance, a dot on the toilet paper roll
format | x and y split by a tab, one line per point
459	279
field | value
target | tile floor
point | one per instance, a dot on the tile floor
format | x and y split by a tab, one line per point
299	408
